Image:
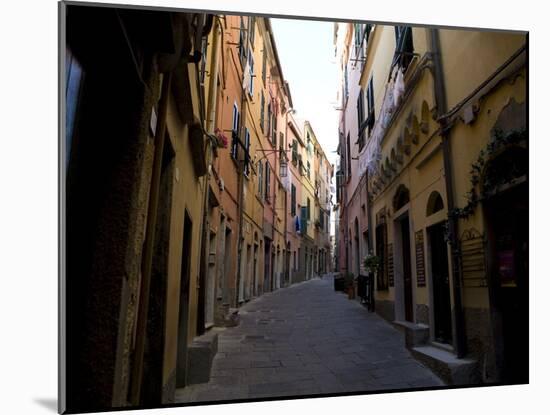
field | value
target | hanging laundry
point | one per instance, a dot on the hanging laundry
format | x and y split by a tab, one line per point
247	79
399	88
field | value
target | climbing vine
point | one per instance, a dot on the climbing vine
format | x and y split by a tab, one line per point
499	141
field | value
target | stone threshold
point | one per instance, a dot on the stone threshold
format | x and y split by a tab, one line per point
445	364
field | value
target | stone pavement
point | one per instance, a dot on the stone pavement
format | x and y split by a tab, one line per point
308	339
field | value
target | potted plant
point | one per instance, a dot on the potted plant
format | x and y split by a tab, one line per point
371	263
349	283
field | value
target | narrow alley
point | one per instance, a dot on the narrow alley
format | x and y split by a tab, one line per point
308	339
244	157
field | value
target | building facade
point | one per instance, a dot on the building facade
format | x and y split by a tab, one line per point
426	144
184	181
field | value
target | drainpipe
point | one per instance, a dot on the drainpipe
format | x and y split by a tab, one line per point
441	104
160	135
275	188
209	124
241	198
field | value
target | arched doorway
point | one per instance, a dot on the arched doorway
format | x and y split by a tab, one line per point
439	273
506	211
402	258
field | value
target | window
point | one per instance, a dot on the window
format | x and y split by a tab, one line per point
303	219
403	46
246	168
294	151
294	255
348	159
269	120
309	147
435	203
308	209
346	88
264	64
360	119
370	106
260	178
267	181
358	39
242	42
235	123
282	142
262	111
273	129
382	252
235	134
293	200
251	72
368	28
339	174
321	220
307	171
204	46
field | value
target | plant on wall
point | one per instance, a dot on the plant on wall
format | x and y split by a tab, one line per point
487	183
222	139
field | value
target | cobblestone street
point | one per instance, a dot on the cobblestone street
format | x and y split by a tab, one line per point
305	340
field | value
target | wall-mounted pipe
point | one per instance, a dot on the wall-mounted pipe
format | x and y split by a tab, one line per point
441	104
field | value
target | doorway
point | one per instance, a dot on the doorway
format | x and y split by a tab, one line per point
440	282
248	273
255	271
267	256
407	273
228	266
508	236
183	316
211	282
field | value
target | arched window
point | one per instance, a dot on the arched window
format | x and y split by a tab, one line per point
508	166
435	203
401	197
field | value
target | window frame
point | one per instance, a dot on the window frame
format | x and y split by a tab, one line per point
267	189
262	111
250	59
246	161
360	119
235	131
260	178
371	117
292	200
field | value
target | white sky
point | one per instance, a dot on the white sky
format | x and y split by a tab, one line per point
307	57
306	51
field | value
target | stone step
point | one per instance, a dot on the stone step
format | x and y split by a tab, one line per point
415	334
447	366
201	353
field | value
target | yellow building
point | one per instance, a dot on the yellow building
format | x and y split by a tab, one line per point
307	206
137	155
441	148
